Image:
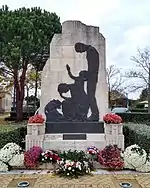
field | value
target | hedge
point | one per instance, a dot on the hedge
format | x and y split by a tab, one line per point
137	134
135	117
143	110
16	135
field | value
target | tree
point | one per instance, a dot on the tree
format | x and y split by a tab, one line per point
144	94
6	82
33	80
24	33
142	73
116	83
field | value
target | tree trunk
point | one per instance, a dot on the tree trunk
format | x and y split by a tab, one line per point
109	99
19	106
36	87
20	86
27	97
149	90
19	103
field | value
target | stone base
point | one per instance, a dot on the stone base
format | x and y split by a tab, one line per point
57	142
65	145
115	140
32	140
74	127
77	136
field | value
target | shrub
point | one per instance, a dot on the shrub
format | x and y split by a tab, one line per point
135	117
12	134
143	110
137	134
74	155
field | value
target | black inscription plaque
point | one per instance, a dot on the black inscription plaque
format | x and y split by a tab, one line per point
74	136
74	127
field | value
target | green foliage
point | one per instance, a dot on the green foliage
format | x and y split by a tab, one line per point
25	32
143	110
144	94
12	134
137	134
74	155
135	117
25	35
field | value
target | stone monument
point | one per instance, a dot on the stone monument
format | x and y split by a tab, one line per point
62	52
74	94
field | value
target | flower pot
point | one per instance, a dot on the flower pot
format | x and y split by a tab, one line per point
35	129
114	129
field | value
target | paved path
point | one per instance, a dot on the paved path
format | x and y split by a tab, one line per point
93	181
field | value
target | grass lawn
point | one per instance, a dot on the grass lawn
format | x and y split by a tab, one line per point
6	126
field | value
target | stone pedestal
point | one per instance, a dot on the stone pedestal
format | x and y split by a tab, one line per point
35	135
35	129
114	135
75	138
66	135
57	141
34	140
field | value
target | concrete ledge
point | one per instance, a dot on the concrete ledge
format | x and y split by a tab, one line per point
65	145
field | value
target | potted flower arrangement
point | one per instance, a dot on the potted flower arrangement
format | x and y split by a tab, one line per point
11	156
32	157
50	157
36	125
114	130
112	119
110	158
93	156
136	158
73	169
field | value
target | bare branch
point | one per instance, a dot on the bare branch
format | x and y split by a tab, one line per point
136	74
114	78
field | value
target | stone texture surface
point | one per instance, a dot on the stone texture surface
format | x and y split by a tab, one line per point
34	140
66	145
114	135
35	129
95	181
62	52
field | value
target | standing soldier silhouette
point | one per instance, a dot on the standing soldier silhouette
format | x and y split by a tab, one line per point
92	77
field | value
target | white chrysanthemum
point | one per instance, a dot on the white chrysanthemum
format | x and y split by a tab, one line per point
128	166
8	151
3	167
17	160
69	168
5	156
79	167
12	147
133	157
144	168
85	164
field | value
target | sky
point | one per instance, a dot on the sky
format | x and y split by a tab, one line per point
124	23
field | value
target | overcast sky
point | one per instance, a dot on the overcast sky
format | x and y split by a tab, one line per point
124	23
